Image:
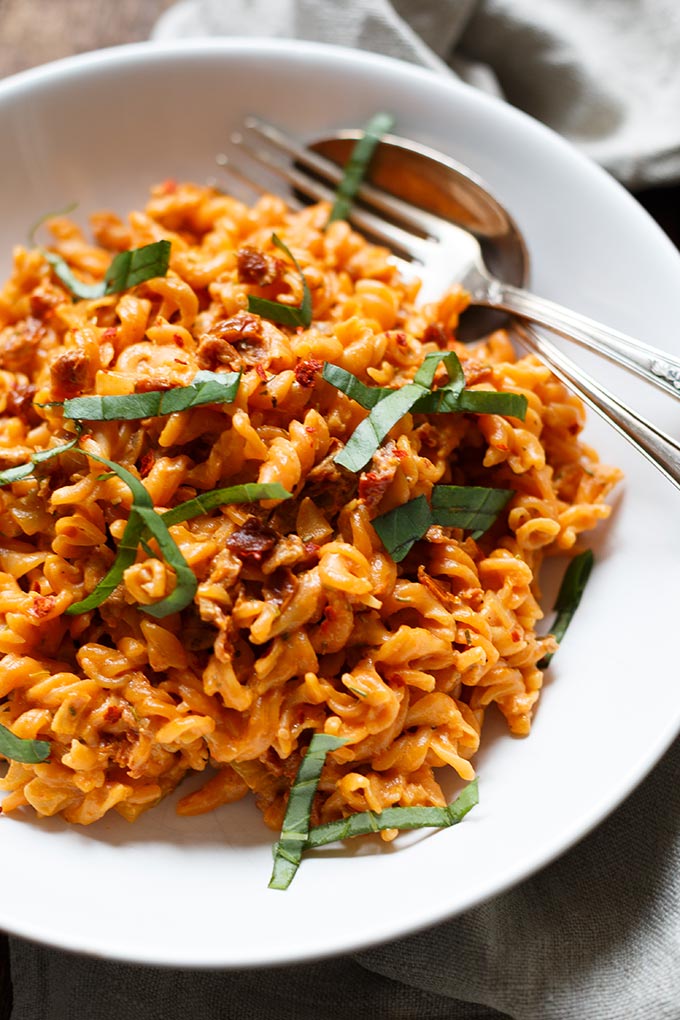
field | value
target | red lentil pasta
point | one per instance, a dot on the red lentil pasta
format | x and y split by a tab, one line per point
301	621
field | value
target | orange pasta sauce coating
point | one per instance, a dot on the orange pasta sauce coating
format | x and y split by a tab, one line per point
301	622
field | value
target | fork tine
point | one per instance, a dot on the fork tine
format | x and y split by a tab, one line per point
387	233
420	221
232	170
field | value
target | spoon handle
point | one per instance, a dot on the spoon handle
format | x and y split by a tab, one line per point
653	365
662	450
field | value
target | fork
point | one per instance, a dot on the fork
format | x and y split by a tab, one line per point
441	251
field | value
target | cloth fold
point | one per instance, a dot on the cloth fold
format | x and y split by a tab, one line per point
596	934
593	936
603	73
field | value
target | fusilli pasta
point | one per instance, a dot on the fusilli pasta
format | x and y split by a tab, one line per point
301	621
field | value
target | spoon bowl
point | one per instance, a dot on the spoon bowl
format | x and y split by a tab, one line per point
440	185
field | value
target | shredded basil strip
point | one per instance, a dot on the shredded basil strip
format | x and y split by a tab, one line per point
367	396
250	492
15	474
126	555
356	167
30	752
388	406
137	265
275	311
206	388
470	507
127	269
399	529
512	405
569	596
142	518
185	588
366	822
295	828
368	436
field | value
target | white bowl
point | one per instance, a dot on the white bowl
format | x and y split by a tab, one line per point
100	129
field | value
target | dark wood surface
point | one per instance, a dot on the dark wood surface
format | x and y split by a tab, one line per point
33	32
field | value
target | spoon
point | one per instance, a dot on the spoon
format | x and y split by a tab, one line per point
492	258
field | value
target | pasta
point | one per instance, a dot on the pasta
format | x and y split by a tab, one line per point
301	621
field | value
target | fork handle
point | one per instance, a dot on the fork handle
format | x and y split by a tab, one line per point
653	365
662	450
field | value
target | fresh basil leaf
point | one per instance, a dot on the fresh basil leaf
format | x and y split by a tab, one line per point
366	822
510	405
569	596
135	266
127	269
30	752
367	396
15	474
399	529
426	373
126	554
368	436
295	828
275	311
392	407
470	507
250	492
206	388
357	165
142	518
80	290
186	583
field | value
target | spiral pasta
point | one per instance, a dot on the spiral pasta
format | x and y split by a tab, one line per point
301	621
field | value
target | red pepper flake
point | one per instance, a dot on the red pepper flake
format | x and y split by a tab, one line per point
260	371
42	605
168	187
146	463
436	333
113	713
307	371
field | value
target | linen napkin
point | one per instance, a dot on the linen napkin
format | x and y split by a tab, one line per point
596	934
603	73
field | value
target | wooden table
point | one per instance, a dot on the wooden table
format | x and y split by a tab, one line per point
33	32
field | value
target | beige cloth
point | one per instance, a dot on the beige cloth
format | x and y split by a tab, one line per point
603	73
